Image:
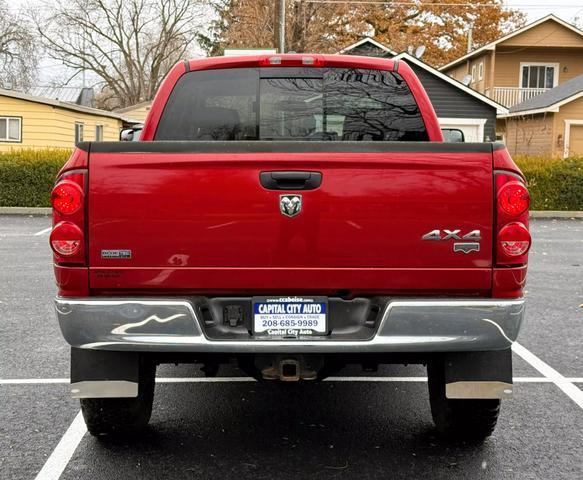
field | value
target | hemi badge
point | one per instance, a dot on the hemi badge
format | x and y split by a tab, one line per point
116	254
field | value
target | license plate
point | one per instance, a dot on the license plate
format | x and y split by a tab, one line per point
290	316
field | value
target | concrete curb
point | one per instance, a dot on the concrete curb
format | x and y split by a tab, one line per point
25	211
556	214
534	214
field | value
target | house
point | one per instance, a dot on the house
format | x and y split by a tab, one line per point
138	112
28	121
550	124
524	63
456	105
516	69
78	95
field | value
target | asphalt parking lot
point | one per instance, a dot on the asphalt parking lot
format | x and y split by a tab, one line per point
349	427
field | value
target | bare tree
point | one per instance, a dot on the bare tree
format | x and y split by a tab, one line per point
129	45
326	27
18	51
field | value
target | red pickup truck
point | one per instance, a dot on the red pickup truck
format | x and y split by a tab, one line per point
293	214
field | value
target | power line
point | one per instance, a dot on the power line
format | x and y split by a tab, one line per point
439	4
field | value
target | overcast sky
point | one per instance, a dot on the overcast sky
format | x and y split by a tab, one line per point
566	9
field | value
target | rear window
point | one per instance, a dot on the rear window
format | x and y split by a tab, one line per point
292	104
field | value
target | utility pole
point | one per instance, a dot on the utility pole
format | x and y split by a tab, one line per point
281	26
470	39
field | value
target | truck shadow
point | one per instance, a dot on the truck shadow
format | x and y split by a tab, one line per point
303	430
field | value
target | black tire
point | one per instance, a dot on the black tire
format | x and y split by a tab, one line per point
471	420
121	416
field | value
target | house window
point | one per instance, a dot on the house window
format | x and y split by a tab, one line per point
481	71
10	129
98	133
539	75
78	132
473	73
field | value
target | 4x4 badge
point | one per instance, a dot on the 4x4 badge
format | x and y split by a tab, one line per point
290	205
471	244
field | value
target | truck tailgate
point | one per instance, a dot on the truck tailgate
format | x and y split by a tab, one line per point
197	218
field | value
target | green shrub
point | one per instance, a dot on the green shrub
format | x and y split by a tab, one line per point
554	184
27	176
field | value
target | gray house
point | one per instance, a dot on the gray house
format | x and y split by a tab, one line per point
456	105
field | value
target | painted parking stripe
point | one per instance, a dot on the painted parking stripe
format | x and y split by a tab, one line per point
42	232
32	381
64	381
57	462
565	384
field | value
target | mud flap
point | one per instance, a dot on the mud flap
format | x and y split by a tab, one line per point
104	374
485	375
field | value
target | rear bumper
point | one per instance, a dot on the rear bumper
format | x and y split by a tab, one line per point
171	325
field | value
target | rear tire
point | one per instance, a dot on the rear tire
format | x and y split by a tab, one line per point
121	416
472	420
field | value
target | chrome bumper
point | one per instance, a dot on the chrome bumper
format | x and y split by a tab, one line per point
170	325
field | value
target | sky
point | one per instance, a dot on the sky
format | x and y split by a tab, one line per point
534	9
566	9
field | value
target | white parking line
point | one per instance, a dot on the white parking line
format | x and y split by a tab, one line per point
32	381
61	455
57	462
44	381
565	384
42	232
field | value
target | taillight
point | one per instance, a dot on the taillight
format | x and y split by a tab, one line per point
513	198
513	238
66	239
67	197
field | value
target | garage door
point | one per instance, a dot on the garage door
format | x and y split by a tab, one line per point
576	140
473	128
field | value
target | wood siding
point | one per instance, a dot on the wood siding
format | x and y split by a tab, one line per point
530	135
507	72
460	71
547	34
139	113
47	126
451	102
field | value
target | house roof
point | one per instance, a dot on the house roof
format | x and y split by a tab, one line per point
500	109
551	100
65	105
369	40
79	95
492	45
64	94
134	106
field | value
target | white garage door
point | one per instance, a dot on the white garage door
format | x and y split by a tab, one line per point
473	128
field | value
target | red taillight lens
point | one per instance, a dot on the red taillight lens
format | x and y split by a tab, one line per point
66	239
512	202
513	198
513	240
67	197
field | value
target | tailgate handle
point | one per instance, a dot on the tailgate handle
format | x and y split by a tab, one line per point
290	180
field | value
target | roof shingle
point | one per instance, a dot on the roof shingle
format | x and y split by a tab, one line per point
552	96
